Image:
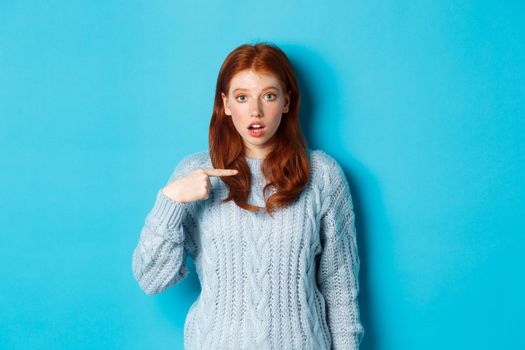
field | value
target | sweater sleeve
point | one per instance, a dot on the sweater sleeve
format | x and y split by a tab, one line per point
158	260
338	264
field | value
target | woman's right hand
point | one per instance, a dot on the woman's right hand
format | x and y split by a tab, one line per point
195	185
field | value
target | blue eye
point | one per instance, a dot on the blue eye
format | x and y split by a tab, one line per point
242	98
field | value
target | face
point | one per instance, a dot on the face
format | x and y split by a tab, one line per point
256	97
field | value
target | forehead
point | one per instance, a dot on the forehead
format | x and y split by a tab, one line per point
252	80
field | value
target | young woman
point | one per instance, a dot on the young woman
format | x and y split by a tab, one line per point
268	222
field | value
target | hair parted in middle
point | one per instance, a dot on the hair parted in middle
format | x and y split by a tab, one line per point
287	166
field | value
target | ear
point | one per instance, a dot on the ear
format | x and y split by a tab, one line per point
287	102
227	110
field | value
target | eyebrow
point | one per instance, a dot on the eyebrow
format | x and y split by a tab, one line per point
266	88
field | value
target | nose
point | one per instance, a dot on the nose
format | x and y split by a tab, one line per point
256	109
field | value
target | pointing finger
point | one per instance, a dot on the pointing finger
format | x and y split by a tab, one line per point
220	172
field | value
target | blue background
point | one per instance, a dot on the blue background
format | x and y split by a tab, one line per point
422	103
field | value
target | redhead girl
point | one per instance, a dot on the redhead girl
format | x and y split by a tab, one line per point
268	222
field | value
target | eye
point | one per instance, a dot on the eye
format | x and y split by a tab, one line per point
244	98
273	96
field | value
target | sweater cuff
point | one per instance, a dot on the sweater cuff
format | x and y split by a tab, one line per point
166	217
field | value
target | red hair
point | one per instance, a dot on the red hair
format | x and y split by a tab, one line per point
286	167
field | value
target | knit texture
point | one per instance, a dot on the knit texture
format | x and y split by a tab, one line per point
287	282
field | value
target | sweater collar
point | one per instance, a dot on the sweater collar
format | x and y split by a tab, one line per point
255	165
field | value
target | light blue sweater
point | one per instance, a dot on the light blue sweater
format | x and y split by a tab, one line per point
290	282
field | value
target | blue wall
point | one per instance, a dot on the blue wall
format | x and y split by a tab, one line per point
422	103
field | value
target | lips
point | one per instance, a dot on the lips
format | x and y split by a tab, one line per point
250	126
256	131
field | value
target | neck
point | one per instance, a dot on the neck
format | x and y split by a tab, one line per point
257	153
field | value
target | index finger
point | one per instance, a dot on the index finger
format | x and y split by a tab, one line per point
220	172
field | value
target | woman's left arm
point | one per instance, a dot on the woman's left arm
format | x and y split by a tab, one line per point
338	264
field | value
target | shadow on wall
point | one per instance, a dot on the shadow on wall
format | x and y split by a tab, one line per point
303	60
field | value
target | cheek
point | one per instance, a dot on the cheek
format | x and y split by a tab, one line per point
274	115
236	120
276	122
237	112
275	110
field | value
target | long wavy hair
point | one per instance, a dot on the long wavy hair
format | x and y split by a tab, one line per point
287	166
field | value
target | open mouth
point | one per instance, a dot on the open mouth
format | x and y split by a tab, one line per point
256	130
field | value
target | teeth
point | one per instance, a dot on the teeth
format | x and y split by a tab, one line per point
256	127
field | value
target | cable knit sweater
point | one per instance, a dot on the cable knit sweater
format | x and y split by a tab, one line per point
288	282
